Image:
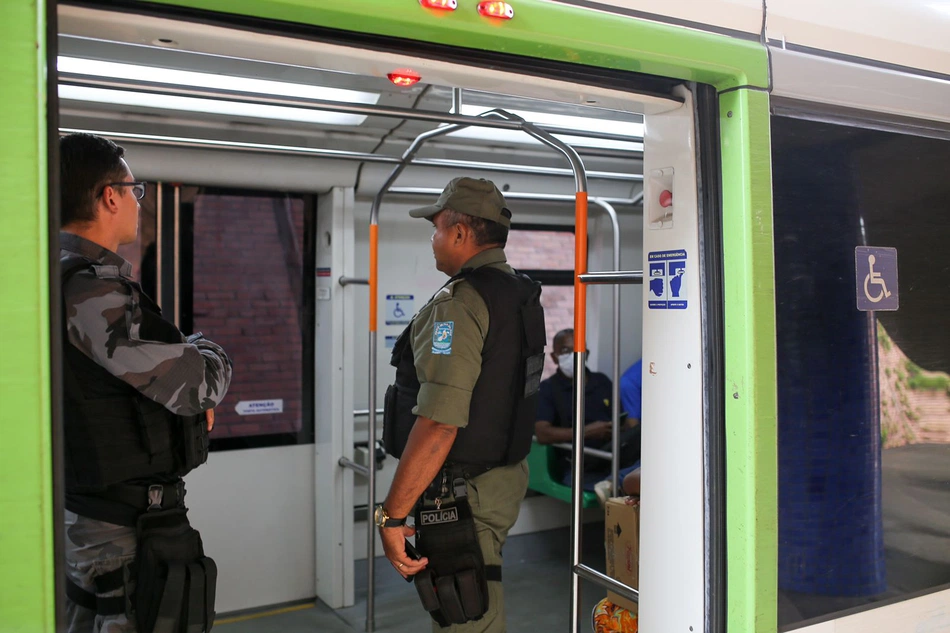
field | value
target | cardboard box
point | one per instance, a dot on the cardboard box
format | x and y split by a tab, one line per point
622	531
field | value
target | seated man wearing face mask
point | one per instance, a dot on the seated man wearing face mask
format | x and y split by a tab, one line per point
555	407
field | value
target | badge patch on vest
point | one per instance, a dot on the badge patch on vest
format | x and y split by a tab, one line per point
434	517
442	337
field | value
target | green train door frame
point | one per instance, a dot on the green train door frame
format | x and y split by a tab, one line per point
736	69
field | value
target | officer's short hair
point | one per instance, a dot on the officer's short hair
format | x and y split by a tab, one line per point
87	162
485	231
560	336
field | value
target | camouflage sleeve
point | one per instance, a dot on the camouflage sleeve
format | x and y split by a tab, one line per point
104	322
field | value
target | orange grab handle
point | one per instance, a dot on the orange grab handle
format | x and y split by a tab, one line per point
580	268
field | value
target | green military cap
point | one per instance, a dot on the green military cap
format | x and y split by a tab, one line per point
479	198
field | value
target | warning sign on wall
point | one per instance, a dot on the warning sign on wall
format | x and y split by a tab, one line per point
259	407
666	280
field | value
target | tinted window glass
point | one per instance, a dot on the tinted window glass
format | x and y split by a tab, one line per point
248	295
863	396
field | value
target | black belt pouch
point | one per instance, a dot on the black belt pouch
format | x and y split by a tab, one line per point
398	419
453	588
175	581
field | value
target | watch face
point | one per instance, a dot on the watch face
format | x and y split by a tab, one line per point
379	515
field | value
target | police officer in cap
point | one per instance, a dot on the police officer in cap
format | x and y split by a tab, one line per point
465	393
139	395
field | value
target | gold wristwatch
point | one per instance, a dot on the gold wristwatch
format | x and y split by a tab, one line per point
383	519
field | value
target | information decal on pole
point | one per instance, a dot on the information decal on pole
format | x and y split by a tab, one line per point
259	407
399	309
875	278
666	289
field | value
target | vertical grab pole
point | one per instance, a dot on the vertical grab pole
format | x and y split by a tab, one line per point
371	465
580	179
373	299
615	485
580	346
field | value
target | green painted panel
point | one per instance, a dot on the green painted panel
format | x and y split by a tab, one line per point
751	444
26	542
539	29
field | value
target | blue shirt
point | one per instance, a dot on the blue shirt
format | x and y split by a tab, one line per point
556	400
631	389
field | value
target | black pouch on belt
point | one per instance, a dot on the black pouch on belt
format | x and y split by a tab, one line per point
454	585
175	581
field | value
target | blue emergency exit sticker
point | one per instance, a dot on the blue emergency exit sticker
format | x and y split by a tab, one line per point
666	280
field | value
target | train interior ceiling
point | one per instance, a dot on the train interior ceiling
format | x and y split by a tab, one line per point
171	92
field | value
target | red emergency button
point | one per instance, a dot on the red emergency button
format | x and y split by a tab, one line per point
666	198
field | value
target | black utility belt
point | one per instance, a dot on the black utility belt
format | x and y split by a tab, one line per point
174	582
468	471
148	497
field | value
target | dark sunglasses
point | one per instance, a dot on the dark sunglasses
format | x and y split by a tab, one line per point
138	188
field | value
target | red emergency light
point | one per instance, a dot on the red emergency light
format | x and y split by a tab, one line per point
445	5
404	77
495	9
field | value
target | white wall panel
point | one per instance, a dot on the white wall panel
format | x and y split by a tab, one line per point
912	34
820	79
735	15
255	511
672	573
926	614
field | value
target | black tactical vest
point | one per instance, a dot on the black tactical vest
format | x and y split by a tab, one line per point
504	400
113	434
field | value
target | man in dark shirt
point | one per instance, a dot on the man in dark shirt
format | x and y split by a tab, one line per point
555	410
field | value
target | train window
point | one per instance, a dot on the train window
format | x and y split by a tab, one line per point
248	291
546	253
863	396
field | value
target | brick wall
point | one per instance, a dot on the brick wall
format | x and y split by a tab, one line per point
547	250
244	299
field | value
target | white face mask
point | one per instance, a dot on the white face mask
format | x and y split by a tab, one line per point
565	363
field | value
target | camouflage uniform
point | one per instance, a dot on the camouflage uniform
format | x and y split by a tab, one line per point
103	321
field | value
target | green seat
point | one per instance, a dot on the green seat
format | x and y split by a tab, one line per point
543	476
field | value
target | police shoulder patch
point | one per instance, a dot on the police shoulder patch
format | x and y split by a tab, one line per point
442	337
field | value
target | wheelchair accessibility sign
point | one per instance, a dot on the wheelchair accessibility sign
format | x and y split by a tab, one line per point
399	309
875	278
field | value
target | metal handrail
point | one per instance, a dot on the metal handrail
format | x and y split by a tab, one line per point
580	179
613	277
521	195
607	582
433	116
338	154
359	469
593	452
366	411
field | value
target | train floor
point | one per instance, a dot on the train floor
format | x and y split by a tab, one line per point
916	521
537	593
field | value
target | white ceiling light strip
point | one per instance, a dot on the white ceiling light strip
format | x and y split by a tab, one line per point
618	127
169	76
154	74
209	106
